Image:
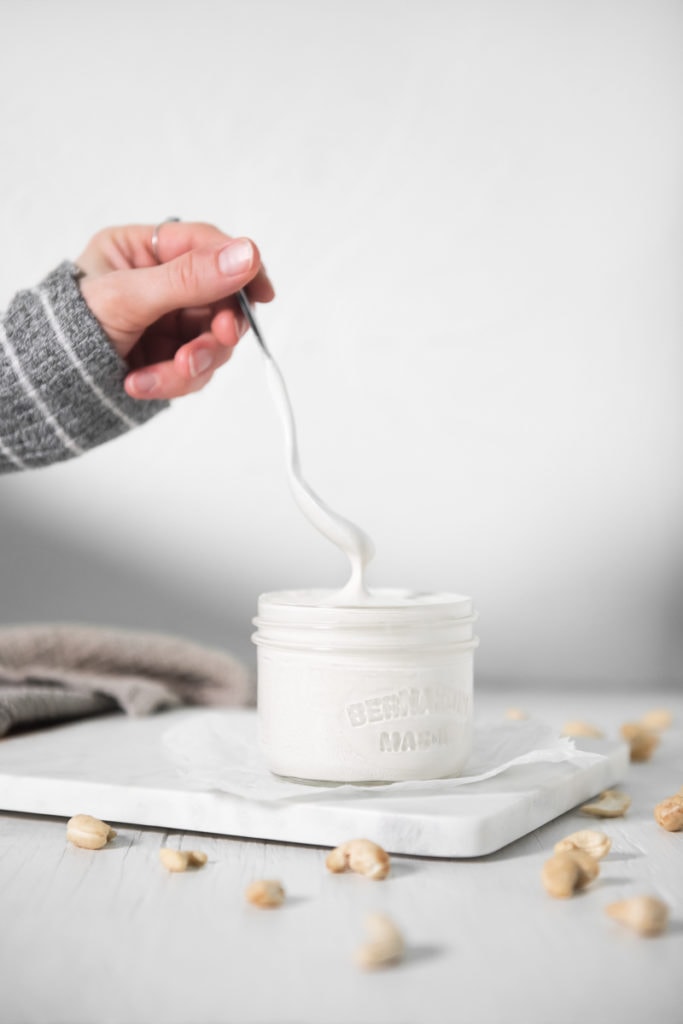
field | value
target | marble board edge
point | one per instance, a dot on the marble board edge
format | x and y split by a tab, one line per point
314	824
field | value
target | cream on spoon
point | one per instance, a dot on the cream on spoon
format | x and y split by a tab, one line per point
348	537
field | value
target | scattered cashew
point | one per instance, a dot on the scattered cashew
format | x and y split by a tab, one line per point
516	714
181	860
657	719
386	943
597	844
610	804
642	741
566	873
88	832
669	813
577	728
265	893
589	868
644	914
361	855
560	875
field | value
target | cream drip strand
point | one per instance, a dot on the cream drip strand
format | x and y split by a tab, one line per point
348	537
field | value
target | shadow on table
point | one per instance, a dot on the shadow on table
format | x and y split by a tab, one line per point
418	954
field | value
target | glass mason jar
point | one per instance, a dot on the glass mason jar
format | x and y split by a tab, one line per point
374	693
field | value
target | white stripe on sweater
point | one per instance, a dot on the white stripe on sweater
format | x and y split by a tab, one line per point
11	456
68	348
67	441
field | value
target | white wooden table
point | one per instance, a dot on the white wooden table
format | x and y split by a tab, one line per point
110	936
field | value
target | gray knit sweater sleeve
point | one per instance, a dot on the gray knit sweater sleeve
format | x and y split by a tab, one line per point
61	382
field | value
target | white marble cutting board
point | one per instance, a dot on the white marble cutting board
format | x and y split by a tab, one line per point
118	769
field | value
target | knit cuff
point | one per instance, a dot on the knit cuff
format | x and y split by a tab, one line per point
61	385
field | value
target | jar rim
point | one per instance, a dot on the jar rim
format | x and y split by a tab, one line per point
393	606
349	646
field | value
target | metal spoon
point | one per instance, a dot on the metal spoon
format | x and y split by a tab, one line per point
251	319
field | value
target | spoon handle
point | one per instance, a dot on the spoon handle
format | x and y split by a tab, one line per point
251	319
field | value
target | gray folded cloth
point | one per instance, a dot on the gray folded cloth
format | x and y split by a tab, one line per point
51	673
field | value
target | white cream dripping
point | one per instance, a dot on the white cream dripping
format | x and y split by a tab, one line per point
348	537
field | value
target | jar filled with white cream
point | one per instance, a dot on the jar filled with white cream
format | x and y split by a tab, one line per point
379	692
358	685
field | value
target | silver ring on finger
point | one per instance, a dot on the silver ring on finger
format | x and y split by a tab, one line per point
155	235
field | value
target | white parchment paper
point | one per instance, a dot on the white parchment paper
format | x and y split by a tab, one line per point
219	750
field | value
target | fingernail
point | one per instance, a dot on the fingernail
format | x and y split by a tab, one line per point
145	381
236	257
200	360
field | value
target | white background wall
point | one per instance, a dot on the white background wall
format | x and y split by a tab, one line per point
472	214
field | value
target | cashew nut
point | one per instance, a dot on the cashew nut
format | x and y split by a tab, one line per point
610	804
265	893
657	719
578	728
597	844
642	741
516	714
181	860
566	873
644	914
669	813
386	943
361	855
88	832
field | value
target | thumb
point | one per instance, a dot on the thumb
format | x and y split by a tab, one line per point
197	278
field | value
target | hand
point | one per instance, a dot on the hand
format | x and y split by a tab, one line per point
175	321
